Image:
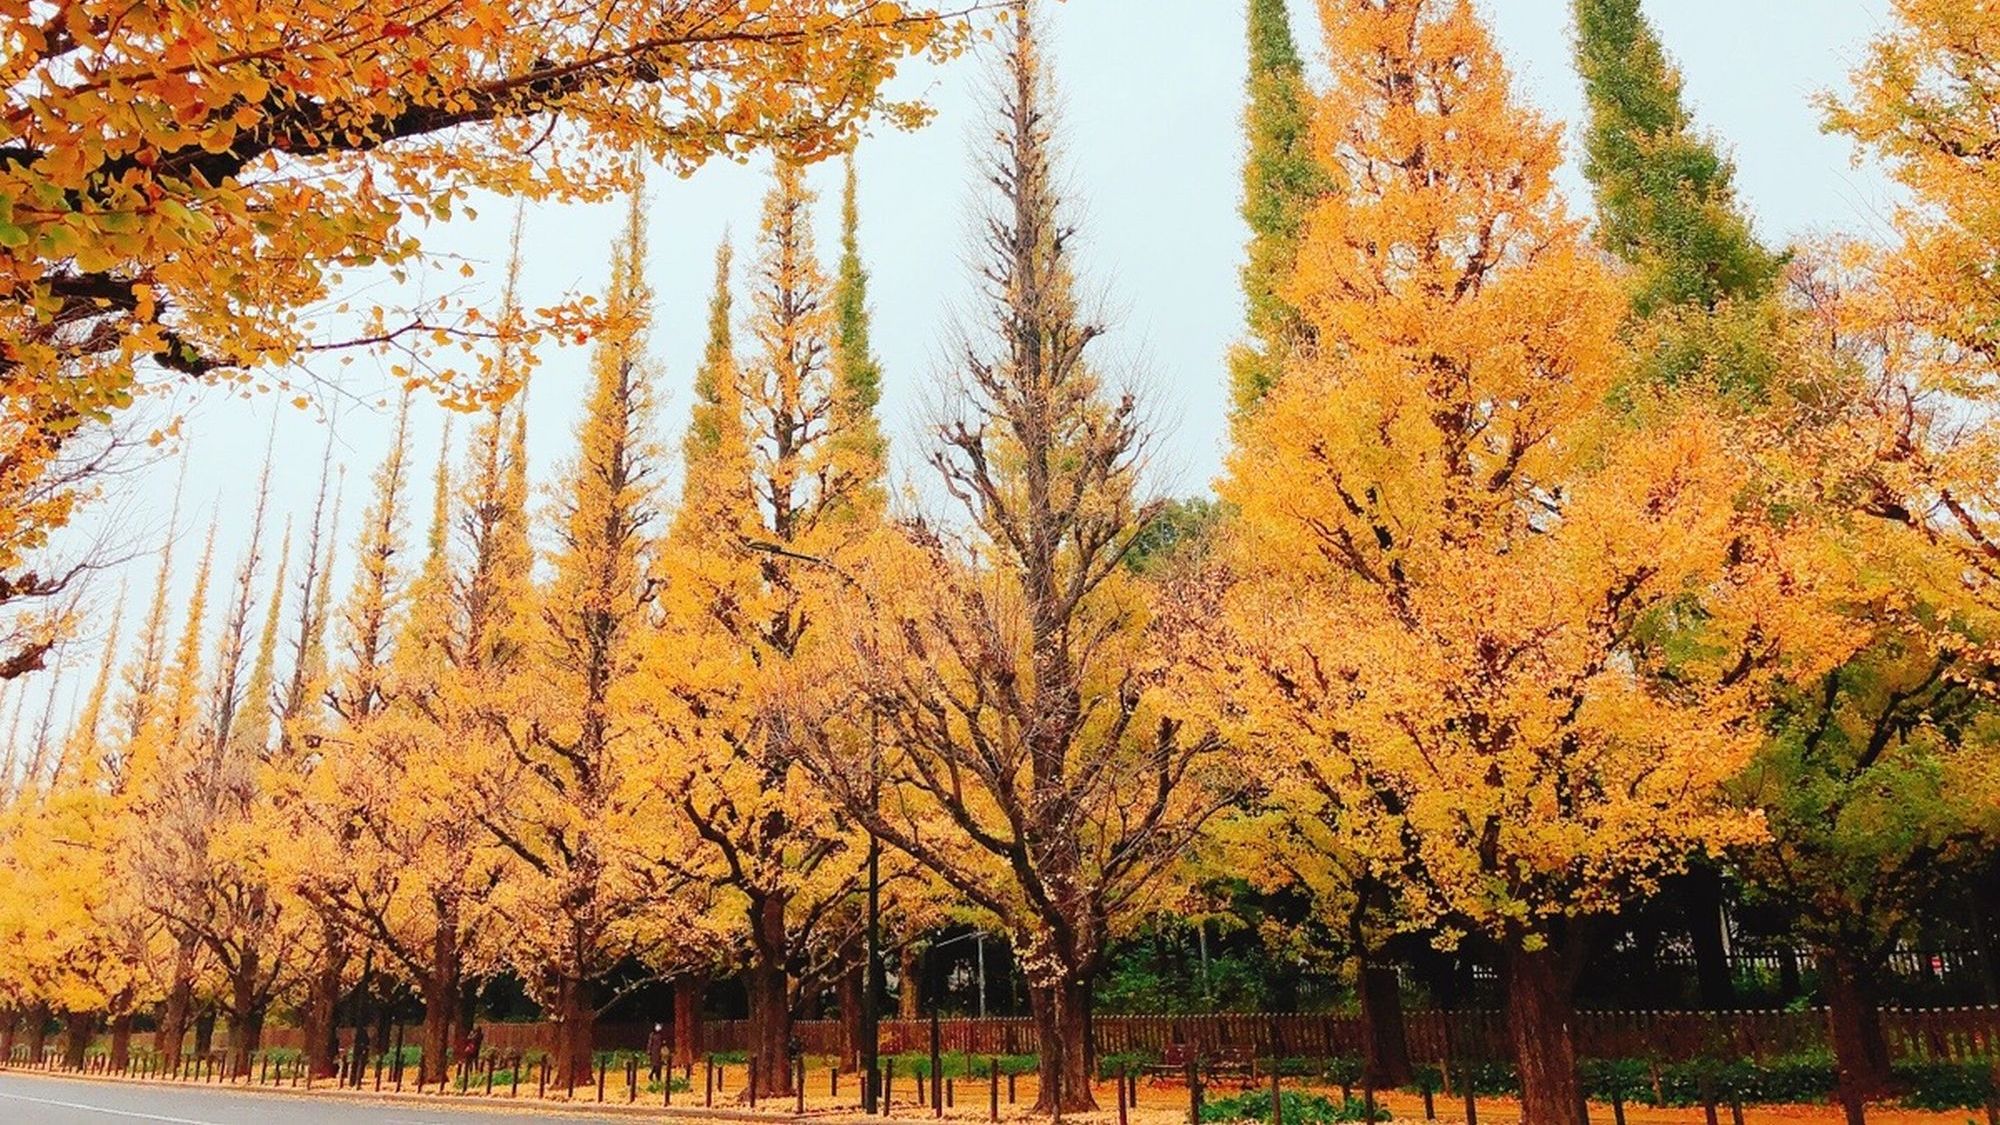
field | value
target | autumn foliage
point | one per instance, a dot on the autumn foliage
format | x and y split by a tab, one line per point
1570	566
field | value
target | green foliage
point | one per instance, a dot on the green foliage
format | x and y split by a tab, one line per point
1944	1086
1666	201
1180	528
959	1064
1872	791
1300	1108
856	369
1667	205
1280	181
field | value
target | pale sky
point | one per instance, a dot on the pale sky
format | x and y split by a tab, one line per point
1152	100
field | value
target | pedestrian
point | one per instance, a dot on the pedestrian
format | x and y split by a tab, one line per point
656	1048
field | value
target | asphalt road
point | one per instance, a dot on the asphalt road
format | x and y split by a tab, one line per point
57	1101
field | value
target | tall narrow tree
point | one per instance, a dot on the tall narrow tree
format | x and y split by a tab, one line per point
1280	182
585	889
1024	759
784	475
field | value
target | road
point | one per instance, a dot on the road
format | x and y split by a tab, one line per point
58	1101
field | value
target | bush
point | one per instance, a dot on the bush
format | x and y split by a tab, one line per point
959	1064
1942	1086
1300	1109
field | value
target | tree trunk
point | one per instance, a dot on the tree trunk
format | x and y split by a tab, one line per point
688	992
121	1029
440	1006
78	1027
1388	1063
10	1026
1065	1063
909	982
38	1033
169	1038
574	1018
322	1004
121	1042
853	977
1539	1023
204	1031
246	1013
1860	1049
770	1001
1711	960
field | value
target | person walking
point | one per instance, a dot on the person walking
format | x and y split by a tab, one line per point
656	1049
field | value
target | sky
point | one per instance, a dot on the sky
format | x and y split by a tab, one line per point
1151	105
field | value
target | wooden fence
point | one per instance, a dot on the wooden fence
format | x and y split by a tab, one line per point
1915	1035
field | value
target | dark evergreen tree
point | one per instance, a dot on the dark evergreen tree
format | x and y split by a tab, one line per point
1666	204
1280	182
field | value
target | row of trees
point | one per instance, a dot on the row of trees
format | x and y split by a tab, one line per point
1558	567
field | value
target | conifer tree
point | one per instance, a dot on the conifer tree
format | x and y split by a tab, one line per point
1666	204
857	373
1280	181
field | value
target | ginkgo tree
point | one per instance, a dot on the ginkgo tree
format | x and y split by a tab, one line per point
184	188
588	890
1025	758
1459	564
783	488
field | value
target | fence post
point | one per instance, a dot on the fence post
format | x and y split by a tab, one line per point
1121	1096
542	1084
888	1083
799	1066
708	1080
751	1068
601	1068
1277	1097
631	1081
937	1068
489	1076
993	1090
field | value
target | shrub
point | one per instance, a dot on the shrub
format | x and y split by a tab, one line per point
1300	1109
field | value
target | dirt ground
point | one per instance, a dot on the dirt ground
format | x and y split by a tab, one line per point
1166	1104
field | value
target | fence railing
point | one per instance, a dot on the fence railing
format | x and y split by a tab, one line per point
1915	1035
